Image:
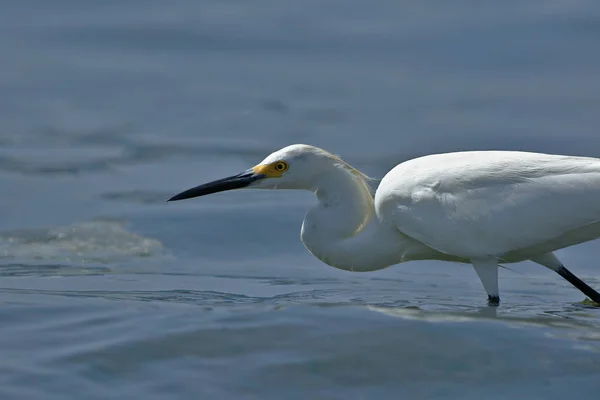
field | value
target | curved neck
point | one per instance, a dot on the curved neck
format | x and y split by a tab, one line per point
344	231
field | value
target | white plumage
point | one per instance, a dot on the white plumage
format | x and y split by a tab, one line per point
482	207
494	203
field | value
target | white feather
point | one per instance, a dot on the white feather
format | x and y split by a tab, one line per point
494	203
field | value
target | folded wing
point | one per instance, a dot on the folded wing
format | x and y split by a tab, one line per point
479	204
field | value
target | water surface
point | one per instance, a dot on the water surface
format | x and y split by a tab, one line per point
109	108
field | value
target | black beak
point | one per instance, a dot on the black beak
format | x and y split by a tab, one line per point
233	182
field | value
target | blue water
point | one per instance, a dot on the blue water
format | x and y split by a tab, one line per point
109	108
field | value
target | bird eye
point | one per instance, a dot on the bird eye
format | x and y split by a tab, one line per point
281	166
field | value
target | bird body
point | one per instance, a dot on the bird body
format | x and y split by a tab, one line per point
508	205
478	207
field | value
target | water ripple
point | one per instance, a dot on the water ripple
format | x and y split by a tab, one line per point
109	151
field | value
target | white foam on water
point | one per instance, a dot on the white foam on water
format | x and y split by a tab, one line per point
97	241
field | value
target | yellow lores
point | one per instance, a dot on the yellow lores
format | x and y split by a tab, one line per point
273	170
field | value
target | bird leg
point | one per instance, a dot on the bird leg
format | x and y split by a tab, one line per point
579	284
487	270
550	261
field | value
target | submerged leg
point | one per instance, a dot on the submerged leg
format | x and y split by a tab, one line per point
550	261
487	270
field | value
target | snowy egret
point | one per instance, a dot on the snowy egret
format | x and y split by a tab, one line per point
480	207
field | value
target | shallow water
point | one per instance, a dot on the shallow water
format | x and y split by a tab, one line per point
109	108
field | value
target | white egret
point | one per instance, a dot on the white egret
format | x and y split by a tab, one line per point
480	207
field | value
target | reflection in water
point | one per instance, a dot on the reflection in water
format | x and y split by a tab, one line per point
528	316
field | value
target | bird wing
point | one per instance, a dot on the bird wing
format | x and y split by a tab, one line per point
478	204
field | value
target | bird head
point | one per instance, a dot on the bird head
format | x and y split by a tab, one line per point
293	167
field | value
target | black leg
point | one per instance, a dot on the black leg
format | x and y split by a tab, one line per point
493	300
579	284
